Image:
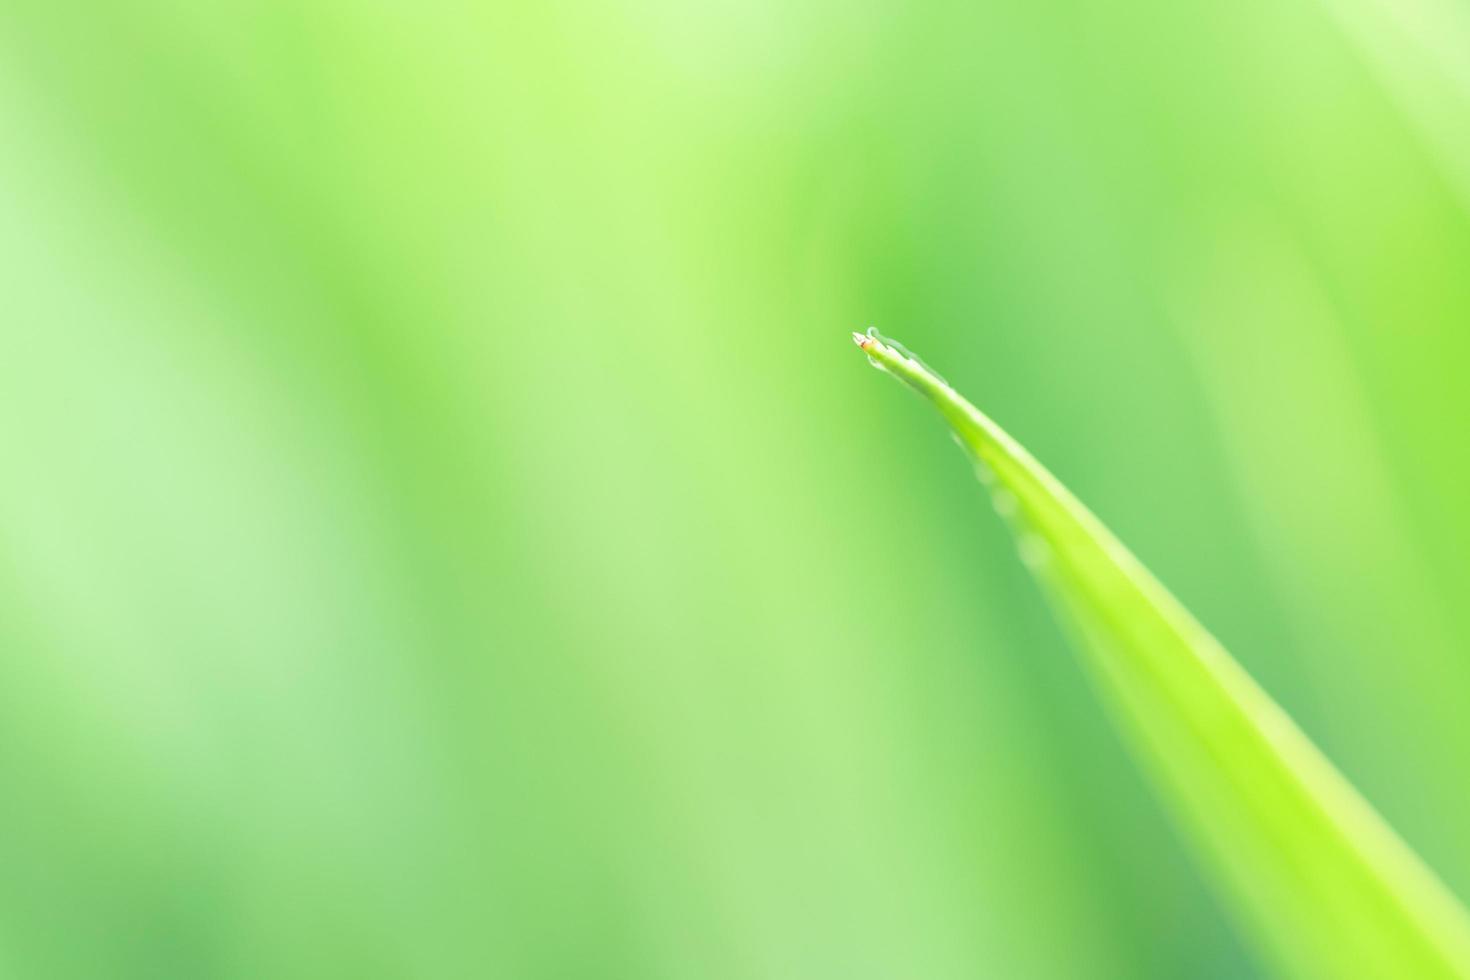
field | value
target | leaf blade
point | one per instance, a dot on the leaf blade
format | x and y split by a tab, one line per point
1309	869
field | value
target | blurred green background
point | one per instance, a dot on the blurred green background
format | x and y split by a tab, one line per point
445	530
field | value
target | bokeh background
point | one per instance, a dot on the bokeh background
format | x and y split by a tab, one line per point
445	529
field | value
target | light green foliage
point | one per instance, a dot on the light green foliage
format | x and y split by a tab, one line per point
428	481
1325	884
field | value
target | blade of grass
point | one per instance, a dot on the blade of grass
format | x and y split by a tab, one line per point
1310	871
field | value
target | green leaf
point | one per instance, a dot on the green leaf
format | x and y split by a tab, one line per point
1315	876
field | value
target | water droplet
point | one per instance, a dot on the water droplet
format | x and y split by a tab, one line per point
873	332
1034	551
